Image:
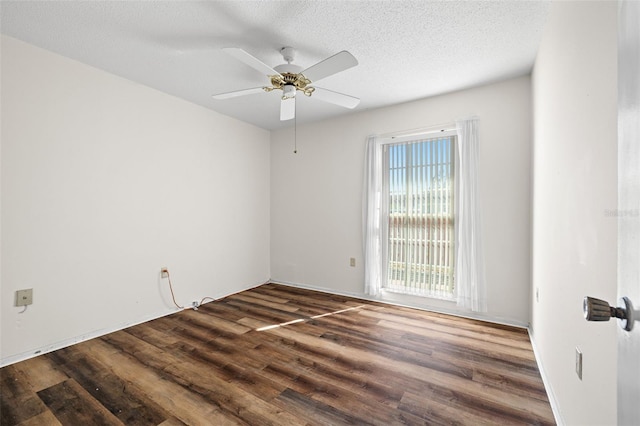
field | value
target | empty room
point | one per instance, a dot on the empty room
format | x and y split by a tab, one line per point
319	212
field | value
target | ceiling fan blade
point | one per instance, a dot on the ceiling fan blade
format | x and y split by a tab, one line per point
287	109
250	60
332	65
236	93
335	97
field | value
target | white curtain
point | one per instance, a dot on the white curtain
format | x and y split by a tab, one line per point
372	217
470	280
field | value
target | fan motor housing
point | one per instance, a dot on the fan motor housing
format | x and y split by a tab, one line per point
299	81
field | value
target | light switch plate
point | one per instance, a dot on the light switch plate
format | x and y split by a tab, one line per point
24	297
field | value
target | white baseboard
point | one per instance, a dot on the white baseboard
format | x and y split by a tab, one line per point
547	385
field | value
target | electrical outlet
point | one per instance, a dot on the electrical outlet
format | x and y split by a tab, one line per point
352	262
578	363
24	297
164	273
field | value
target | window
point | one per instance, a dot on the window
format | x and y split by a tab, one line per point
422	227
418	230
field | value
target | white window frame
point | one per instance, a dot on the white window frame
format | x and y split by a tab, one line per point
385	142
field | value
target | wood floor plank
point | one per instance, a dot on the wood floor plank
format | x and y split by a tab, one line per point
264	302
282	355
485	370
18	400
504	351
44	419
222	310
315	411
331	372
302	297
515	333
217	323
123	401
42	372
200	378
186	406
257	293
516	406
172	422
71	404
392	353
458	332
435	412
445	347
515	383
241	371
150	334
312	384
310	300
271	315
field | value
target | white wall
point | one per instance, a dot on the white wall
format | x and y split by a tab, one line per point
104	182
574	241
316	194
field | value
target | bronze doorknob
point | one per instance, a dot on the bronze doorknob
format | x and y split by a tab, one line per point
599	310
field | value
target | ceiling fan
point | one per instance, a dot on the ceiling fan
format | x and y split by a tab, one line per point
292	78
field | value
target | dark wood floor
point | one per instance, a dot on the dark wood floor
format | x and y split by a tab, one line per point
236	361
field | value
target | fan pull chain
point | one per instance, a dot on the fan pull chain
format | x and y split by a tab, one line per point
295	128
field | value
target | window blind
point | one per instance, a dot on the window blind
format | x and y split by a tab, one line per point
420	234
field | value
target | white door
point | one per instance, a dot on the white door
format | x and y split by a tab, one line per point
629	206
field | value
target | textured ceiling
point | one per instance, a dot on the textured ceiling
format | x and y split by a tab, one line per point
406	50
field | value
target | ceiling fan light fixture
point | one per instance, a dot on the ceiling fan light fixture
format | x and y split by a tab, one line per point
288	91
